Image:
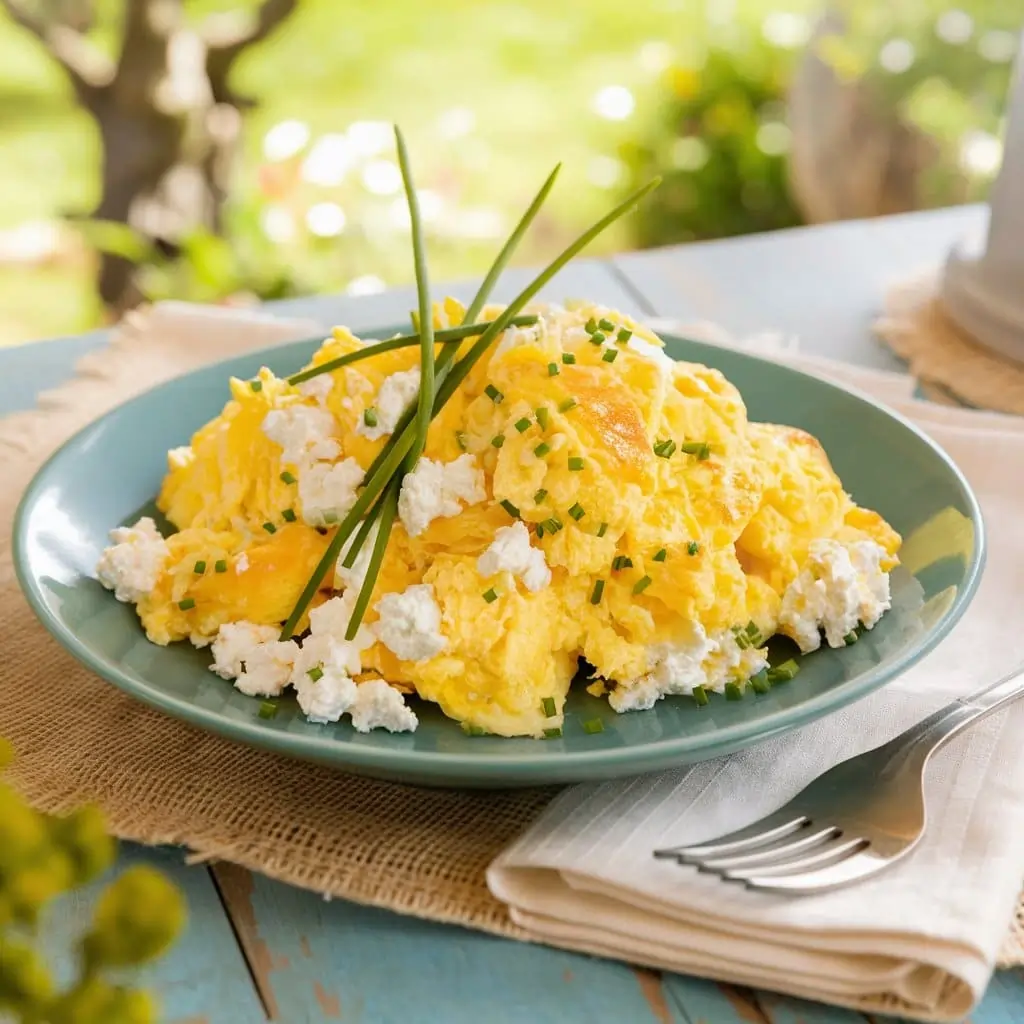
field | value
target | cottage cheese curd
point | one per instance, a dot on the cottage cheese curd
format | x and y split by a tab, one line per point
130	567
328	490
410	623
395	395
511	551
303	433
380	706
434	490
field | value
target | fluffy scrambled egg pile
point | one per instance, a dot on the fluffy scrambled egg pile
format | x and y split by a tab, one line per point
580	496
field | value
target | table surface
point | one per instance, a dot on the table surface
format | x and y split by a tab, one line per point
258	950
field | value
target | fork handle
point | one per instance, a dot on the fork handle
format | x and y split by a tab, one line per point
941	726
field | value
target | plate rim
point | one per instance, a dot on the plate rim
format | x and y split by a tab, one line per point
549	762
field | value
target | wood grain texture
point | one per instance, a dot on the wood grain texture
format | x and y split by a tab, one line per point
203	979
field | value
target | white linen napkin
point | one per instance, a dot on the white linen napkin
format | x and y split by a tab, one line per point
920	940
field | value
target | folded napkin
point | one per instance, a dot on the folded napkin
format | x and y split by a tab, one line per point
921	939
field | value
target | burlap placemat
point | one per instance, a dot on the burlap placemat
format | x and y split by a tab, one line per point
414	851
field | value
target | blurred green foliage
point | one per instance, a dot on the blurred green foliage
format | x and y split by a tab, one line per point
137	917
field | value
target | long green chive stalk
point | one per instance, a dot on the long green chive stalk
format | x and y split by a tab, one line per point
401	442
426	310
389	506
448	336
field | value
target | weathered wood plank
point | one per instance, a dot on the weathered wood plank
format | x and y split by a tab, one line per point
784	1010
203	979
709	1002
319	961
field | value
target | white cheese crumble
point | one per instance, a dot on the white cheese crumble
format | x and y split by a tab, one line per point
242	564
260	664
511	551
322	677
327	490
380	706
410	623
318	388
693	660
394	397
433	490
234	642
839	587
179	458
331	619
346	578
303	433
130	567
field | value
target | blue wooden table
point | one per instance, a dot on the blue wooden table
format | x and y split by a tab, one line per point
258	950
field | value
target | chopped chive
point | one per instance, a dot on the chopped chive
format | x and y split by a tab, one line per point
605	324
509	508
597	338
552	734
268	709
642	584
850	638
699	448
547	705
621	562
494	394
595	595
784	672
543	417
576	463
287	477
552	524
199	568
700	696
460	439
473	730
692	548
569	403
330	517
742	642
568	358
288	515
256	385
540	530
751	630
661	555
609	355
593	726
220	565
490	596
577	511
664	449
270	527
542	449
590	326
733	691
761	682
540	496
624	335
602	529
316	673
187	604
522	425
553	369
498	440
370	416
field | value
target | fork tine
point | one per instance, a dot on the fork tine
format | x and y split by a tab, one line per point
831	854
761	833
834	876
765	856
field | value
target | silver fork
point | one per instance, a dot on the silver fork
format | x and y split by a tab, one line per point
857	819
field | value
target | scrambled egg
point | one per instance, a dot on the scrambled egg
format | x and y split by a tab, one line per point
659	510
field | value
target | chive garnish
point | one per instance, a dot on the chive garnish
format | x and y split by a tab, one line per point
386	517
642	584
692	548
609	355
552	369
761	682
256	385
593	726
700	696
370	416
268	709
543	417
540	530
784	672
597	338
498	440
576	463
624	335
733	691
199	568
522	425
590	326
552	524
490	596
568	358
509	508
540	496
699	448
664	449
270	527
473	730
751	630
742	641
577	511
605	324
494	394
552	734
595	594
850	638
542	449
287	477
547	706
316	673
460	439
186	604
569	403
288	515
660	555
220	565
621	562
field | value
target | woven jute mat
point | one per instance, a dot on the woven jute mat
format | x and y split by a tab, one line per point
159	781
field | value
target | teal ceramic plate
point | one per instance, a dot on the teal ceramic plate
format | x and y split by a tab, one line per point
108	474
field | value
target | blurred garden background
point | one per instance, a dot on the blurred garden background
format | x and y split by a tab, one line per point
229	150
